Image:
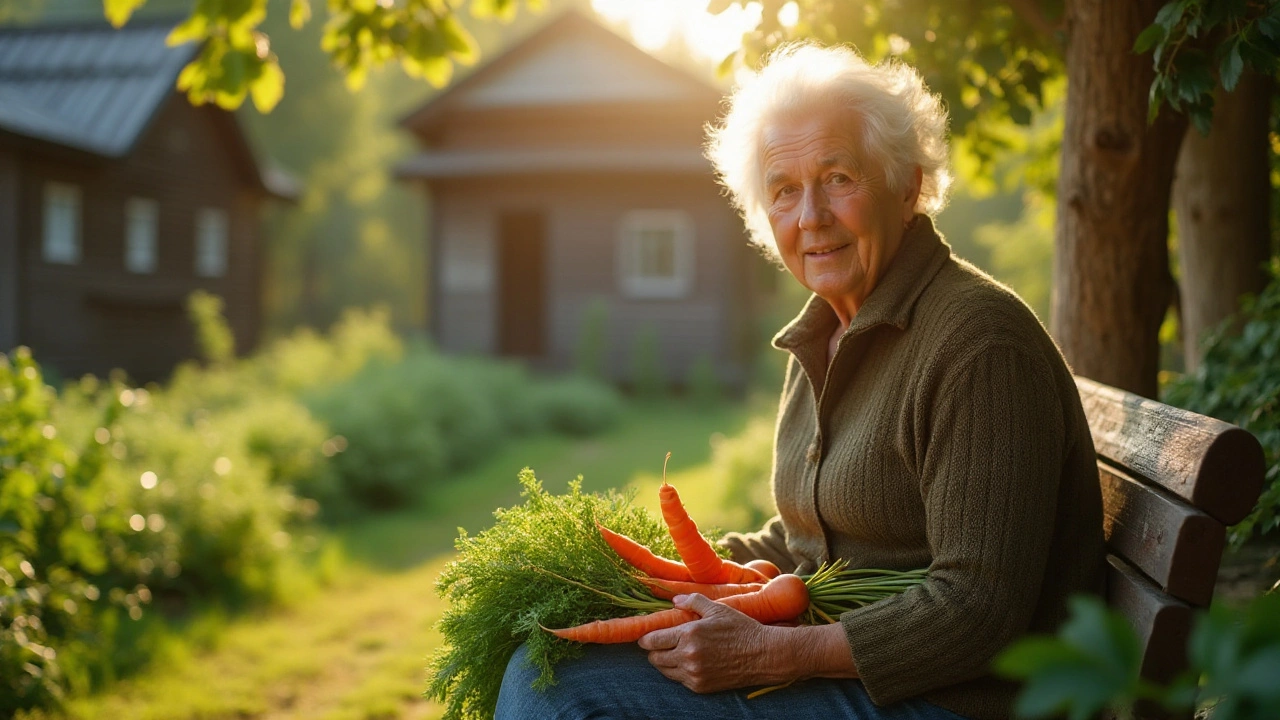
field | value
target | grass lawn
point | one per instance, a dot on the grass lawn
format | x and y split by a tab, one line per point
355	644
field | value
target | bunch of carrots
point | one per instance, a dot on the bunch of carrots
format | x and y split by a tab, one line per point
595	566
758	589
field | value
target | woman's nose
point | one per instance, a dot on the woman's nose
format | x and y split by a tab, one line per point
815	212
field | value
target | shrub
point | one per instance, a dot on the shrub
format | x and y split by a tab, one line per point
743	465
56	533
647	377
1239	382
589	353
704	383
577	405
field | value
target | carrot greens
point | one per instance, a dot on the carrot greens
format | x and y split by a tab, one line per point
542	563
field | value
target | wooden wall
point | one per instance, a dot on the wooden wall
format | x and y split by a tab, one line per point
583	216
96	315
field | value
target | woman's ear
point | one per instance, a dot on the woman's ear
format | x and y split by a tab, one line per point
911	194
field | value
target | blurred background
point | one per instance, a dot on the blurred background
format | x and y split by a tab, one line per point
262	366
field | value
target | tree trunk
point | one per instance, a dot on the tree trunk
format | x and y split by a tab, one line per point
1222	199
1111	268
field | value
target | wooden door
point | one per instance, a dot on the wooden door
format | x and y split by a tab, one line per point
522	286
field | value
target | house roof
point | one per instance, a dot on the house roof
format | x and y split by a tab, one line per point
449	164
97	89
88	87
571	60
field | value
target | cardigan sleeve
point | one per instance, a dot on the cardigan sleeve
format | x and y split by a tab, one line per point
992	453
769	543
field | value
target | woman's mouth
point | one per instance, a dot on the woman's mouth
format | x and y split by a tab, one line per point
825	252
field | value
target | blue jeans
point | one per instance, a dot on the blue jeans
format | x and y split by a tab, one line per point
617	682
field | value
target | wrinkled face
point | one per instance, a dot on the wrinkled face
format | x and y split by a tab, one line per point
835	220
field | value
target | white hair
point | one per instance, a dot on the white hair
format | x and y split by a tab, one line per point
904	126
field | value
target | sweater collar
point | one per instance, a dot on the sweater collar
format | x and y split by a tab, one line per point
921	256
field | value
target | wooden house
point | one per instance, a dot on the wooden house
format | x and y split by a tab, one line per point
117	200
566	178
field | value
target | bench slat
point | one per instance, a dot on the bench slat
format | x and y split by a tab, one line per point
1163	622
1213	465
1174	544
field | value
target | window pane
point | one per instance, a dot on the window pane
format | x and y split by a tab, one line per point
61	241
141	220
211	242
657	253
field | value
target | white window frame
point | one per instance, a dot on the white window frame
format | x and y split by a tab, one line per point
61	231
631	233
141	235
213	238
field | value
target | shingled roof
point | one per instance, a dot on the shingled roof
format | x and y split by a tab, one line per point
88	87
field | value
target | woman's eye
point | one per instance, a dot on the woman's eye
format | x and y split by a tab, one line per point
839	179
783	191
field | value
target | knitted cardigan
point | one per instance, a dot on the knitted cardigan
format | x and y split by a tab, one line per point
947	433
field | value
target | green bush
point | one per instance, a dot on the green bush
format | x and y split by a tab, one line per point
647	377
743	465
62	561
592	346
577	405
1239	382
703	384
1094	661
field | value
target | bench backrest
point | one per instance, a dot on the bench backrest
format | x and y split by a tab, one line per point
1172	481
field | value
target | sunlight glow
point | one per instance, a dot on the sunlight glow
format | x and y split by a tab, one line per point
656	23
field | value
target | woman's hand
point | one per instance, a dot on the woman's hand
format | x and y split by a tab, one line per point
724	650
727	650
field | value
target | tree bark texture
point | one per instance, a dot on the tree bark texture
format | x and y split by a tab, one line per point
1111	266
1221	196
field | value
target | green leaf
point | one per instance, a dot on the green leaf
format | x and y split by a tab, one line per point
437	70
194	29
267	89
1231	67
1171	14
118	12
299	13
1148	38
461	45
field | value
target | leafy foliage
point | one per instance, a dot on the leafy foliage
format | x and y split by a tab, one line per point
1094	661
409	424
503	587
990	62
1197	44
235	59
742	465
55	542
1239	382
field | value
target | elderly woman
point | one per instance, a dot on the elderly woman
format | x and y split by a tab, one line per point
927	420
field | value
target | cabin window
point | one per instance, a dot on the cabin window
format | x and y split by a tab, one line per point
655	258
211	242
61	223
142	220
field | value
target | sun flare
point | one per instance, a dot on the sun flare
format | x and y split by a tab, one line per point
654	24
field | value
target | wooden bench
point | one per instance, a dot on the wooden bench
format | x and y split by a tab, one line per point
1172	481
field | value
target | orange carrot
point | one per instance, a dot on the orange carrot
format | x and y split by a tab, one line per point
732	572
704	564
626	629
667	589
764	567
642	558
783	598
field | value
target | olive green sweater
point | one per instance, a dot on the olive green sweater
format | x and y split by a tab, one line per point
946	433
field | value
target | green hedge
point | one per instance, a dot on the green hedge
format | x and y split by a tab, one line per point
116	499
